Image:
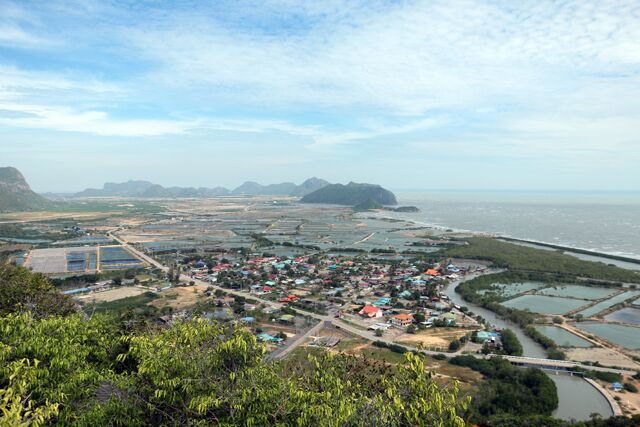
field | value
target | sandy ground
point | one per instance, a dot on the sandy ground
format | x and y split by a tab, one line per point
112	294
43	216
605	356
630	402
436	337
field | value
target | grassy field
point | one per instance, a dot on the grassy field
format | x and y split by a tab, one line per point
382	355
522	258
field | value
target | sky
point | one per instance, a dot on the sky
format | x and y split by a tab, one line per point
456	94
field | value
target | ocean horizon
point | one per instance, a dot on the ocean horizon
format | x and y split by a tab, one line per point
598	221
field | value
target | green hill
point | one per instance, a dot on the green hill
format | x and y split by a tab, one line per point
16	195
351	194
367	205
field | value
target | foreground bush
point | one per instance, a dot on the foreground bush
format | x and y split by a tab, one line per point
76	371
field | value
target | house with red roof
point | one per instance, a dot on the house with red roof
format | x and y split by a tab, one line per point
371	311
288	298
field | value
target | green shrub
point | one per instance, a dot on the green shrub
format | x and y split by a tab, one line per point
630	387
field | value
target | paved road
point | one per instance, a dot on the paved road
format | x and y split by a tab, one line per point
291	344
541	363
369	335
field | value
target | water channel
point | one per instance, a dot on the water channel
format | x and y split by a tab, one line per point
577	398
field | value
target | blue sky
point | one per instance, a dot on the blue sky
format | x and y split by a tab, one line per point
436	94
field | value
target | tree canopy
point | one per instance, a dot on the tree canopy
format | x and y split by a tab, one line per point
70	369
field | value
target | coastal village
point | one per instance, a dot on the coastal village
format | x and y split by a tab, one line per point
302	278
394	300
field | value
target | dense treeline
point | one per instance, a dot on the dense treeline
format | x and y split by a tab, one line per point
523	258
509	390
546	421
510	343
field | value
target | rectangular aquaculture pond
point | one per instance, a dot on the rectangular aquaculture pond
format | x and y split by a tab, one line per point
625	336
544	304
562	337
593	310
577	291
511	289
625	315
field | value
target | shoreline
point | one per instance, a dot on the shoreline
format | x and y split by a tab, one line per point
615	407
570	249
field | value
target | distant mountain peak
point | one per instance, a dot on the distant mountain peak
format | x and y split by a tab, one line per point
16	194
10	176
252	188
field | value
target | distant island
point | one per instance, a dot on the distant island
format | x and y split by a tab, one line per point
16	194
404	209
352	194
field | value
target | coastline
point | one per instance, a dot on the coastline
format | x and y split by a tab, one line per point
572	249
614	405
569	250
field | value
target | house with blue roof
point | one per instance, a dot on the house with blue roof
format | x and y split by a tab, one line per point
265	337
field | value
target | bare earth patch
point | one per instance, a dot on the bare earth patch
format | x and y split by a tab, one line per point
438	337
179	298
630	402
112	294
605	356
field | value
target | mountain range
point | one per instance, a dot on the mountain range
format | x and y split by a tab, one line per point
146	189
15	193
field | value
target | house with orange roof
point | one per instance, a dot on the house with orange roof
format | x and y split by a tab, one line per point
371	311
402	320
288	298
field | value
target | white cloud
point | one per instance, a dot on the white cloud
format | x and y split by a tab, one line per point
14	36
409	60
91	122
16	83
524	73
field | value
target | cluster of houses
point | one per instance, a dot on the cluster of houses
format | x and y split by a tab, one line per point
380	293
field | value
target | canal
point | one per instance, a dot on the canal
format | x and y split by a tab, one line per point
577	398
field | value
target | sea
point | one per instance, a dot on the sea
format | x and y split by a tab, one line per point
604	222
